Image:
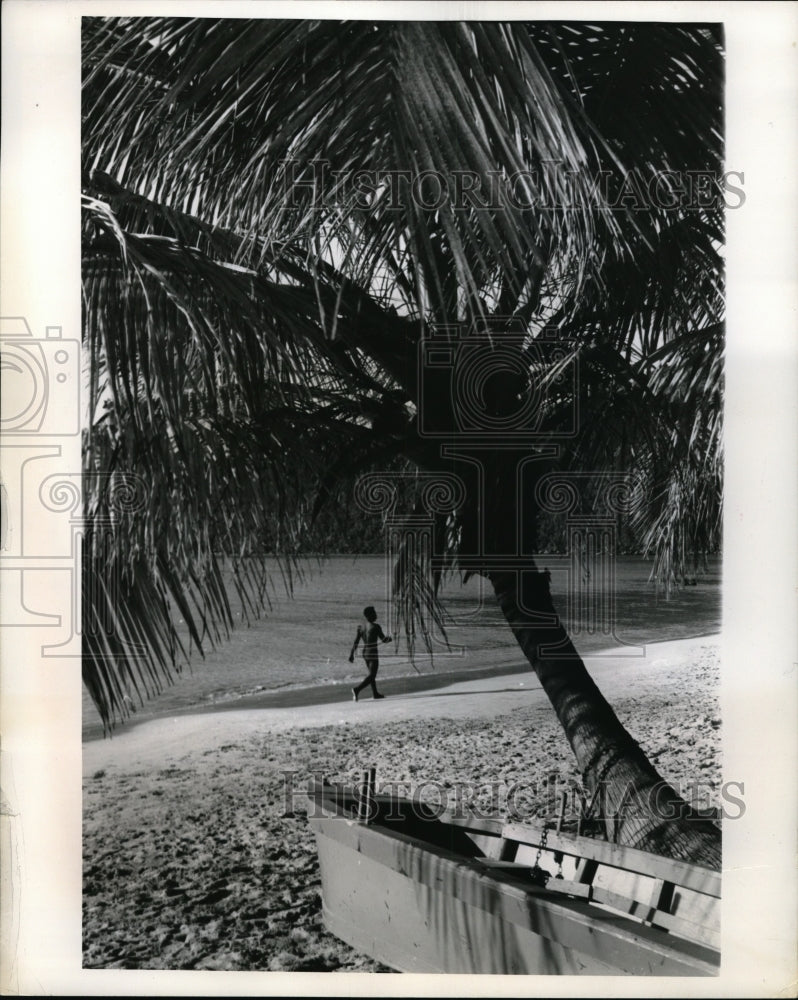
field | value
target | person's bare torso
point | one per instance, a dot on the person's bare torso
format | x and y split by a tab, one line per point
371	634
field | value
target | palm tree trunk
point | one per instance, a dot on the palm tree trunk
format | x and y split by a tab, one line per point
639	809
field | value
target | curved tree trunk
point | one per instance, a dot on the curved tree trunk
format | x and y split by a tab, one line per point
638	807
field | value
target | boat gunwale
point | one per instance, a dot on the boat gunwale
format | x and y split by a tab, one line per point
469	880
685	874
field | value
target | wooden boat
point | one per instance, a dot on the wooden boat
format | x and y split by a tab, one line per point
423	891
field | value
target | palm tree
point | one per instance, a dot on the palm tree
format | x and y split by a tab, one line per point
281	216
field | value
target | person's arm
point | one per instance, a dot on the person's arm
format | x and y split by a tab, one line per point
382	636
358	637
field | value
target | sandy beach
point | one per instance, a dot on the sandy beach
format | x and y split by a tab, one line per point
197	851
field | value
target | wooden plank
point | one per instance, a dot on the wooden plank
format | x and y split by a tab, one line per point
508	850
421	928
486	845
567	887
561	814
479	824
564	886
366	803
341	799
681	873
700	933
662	895
337	794
342	795
656	911
586	870
503	863
630	946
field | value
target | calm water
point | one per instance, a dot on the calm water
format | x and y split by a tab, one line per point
305	641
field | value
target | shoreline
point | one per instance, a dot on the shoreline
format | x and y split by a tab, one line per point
149	742
337	692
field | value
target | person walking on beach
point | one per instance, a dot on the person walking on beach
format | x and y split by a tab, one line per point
370	634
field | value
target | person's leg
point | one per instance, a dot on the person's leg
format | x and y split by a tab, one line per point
369	680
374	666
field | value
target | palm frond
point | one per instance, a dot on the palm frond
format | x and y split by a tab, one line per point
262	263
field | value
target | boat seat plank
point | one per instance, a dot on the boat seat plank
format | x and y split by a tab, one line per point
699	933
563	886
689	876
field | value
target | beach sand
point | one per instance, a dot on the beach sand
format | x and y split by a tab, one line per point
197	850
